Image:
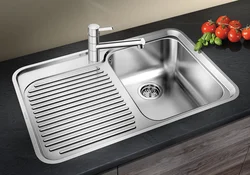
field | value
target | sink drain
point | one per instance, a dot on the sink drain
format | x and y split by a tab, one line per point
150	91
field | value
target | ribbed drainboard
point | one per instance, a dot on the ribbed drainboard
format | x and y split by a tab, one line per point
77	109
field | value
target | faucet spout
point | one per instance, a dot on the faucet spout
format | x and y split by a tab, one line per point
122	43
94	45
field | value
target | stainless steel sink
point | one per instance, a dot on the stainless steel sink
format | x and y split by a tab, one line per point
168	78
72	107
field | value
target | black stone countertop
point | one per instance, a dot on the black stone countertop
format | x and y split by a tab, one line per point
16	152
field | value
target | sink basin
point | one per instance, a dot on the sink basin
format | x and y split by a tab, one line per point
72	107
168	78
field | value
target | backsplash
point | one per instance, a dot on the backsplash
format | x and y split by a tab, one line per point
35	25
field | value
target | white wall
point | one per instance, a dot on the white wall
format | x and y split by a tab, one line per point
28	26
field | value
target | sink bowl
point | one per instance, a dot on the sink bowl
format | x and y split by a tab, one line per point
167	78
72	107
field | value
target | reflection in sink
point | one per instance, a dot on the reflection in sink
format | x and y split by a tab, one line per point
176	80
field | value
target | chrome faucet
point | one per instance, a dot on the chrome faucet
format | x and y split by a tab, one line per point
94	45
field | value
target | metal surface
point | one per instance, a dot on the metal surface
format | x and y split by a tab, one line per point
94	45
72	107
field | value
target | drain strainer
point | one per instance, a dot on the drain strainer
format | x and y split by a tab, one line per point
150	91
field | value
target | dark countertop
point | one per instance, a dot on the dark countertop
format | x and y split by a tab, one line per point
18	157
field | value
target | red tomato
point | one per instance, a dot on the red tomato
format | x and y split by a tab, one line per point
246	33
223	20
222	32
234	35
235	24
209	26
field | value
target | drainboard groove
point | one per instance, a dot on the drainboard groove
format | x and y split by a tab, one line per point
88	76
101	137
68	94
85	81
65	76
79	103
87	119
75	96
87	129
55	123
79	99
85	108
77	110
70	143
77	115
64	89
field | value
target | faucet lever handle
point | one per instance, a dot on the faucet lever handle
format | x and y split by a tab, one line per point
105	29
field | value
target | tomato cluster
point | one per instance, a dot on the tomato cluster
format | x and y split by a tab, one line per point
226	28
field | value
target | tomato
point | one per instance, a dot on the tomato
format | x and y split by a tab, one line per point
234	35
223	20
209	26
222	32
246	33
235	24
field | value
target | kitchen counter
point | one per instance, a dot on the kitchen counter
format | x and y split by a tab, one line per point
18	157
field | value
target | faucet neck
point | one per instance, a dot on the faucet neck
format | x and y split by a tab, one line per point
93	40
